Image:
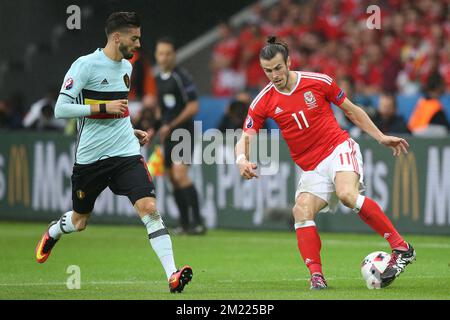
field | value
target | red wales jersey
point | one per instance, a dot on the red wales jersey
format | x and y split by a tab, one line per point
304	116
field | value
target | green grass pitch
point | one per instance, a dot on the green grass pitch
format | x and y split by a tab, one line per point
117	262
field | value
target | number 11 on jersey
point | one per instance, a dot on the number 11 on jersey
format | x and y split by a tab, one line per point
298	120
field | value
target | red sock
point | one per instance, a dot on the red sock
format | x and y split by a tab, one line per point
373	216
309	244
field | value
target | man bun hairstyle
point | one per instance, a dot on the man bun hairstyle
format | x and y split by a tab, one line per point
273	46
121	20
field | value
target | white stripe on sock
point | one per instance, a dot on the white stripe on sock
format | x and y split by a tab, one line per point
359	203
65	222
304	224
162	245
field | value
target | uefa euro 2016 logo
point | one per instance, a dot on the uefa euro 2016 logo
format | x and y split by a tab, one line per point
249	122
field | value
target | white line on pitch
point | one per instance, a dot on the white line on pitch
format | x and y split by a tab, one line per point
220	281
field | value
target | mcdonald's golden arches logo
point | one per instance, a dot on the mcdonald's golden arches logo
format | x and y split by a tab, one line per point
406	184
18	176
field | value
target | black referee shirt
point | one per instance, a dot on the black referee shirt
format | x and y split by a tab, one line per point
175	90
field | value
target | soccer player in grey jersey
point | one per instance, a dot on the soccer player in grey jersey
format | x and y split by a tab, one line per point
95	91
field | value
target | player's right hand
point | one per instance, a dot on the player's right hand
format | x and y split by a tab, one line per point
117	107
246	169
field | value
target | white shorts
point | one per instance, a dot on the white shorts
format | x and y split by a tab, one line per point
320	181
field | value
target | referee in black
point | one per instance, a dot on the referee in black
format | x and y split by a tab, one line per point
178	104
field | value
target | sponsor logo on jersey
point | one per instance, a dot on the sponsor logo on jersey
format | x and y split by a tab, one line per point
68	84
249	122
340	95
104	81
310	99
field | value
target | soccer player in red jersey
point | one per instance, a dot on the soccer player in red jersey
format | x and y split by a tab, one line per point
331	162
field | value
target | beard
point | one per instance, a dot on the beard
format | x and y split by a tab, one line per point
125	52
282	85
287	81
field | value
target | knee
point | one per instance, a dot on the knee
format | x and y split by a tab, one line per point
302	212
146	207
347	197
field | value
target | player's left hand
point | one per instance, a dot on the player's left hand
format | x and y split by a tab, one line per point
397	145
142	136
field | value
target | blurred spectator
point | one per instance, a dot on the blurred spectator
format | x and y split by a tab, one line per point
253	41
256	14
41	114
391	65
331	20
386	117
272	25
444	65
4	113
146	117
227	77
346	84
332	37
413	56
244	97
234	116
428	117
11	112
143	86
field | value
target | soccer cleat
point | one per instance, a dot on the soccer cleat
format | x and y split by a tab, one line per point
178	231
318	282
198	230
45	245
179	279
397	264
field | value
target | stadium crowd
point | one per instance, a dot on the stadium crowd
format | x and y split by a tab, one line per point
332	37
408	53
